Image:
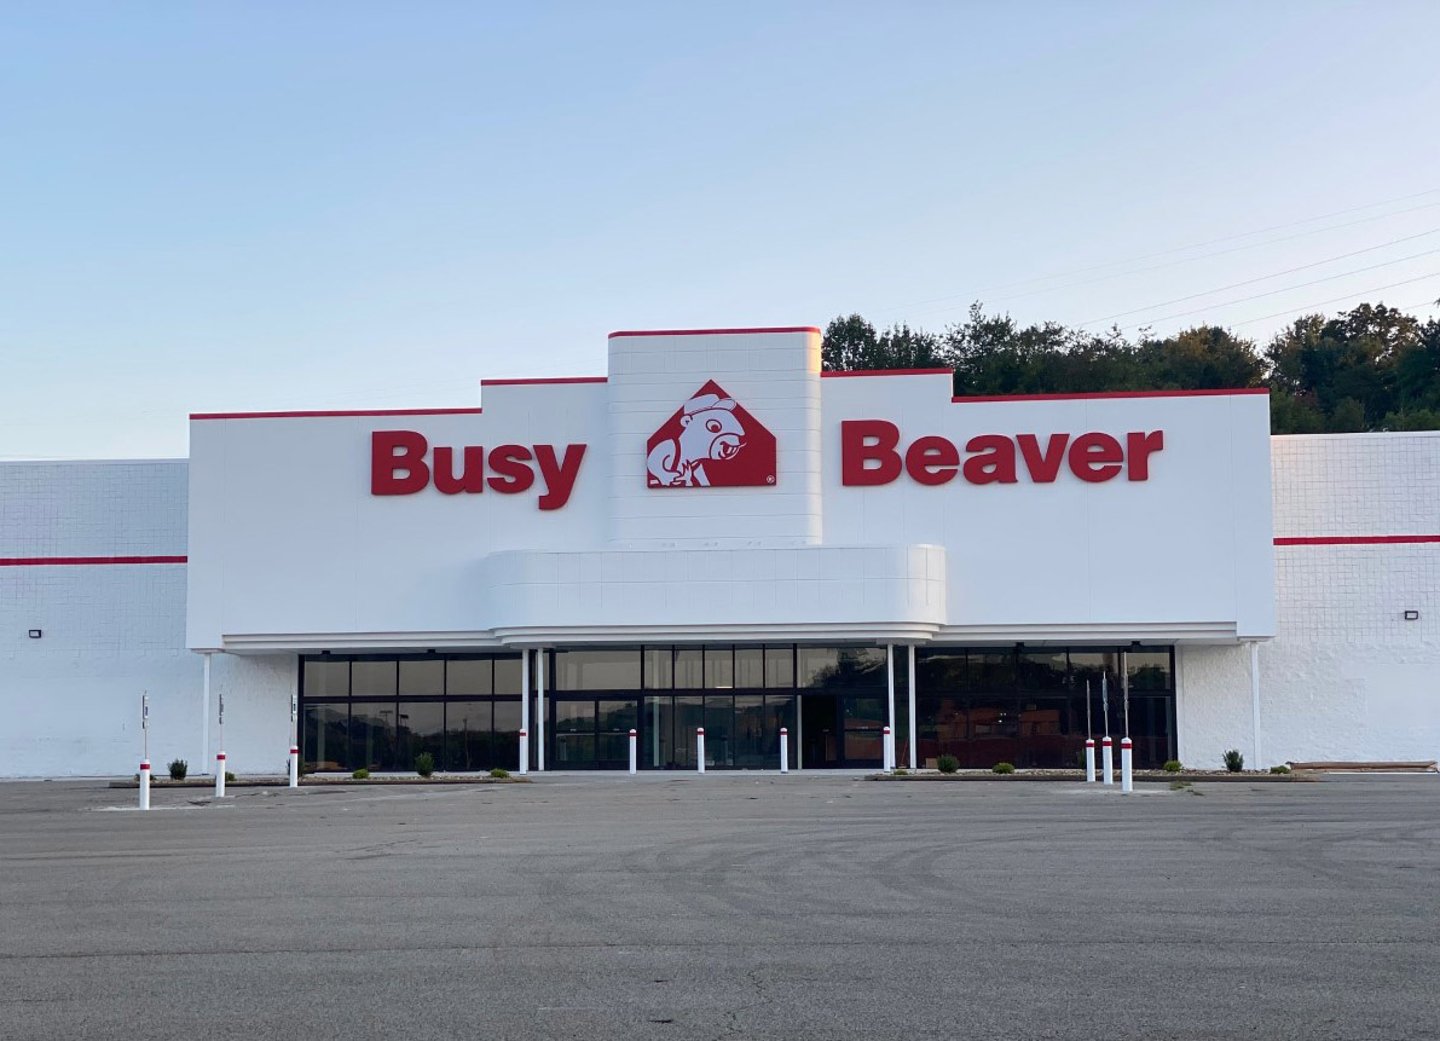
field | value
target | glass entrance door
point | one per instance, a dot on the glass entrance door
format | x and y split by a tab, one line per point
843	730
592	733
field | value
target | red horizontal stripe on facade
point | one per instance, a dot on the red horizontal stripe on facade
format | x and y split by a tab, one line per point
1355	540
888	372
543	379
72	561
962	398
717	332
351	412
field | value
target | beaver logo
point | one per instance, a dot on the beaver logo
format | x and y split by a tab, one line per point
711	441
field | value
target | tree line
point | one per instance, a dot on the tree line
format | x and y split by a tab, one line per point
1370	368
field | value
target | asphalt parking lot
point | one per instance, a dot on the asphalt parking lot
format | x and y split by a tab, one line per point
728	906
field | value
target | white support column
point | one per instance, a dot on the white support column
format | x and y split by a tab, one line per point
540	710
890	706
525	711
204	759
914	724
1255	699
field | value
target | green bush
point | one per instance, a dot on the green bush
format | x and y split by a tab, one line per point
1281	769
1234	761
499	773
361	774
947	764
900	771
178	769
1003	768
424	764
229	777
1173	766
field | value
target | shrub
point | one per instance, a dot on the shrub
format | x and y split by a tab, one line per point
306	769
1234	761
1003	768
947	764
361	774
424	764
1281	769
1173	766
900	771
229	777
178	769
499	773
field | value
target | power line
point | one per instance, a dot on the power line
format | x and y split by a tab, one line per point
1262	278
1335	300
1287	289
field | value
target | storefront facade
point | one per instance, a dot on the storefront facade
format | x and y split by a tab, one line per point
717	534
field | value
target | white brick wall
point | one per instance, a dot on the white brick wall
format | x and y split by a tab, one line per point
70	701
1346	678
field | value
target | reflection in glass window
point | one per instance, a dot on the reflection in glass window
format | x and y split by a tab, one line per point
719	667
839	668
749	668
588	669
372	735
574	716
992	669
372	678
467	736
659	668
508	674
505	742
780	667
327	679
421	678
1149	670
689	668
468	677
421	729
327	736
940	670
1042	670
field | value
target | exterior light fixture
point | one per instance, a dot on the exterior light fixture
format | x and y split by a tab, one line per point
35	634
1410	616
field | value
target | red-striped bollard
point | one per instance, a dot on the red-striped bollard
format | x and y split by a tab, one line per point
1127	774
634	749
524	751
144	784
784	750
700	750
294	766
219	775
1107	761
889	750
1089	760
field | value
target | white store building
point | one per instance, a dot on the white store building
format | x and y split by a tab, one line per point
717	534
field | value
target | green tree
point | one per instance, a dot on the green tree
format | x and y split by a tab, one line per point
851	344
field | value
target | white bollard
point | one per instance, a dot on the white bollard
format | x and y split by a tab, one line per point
888	753
144	784
1127	774
524	751
784	751
1089	760
294	767
219	775
1107	762
634	750
700	750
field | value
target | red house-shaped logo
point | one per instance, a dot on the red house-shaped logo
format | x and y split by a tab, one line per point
710	442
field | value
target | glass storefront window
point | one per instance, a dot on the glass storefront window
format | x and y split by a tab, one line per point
689	668
373	735
1149	670
508	674
574	716
422	678
370	679
327	736
587	669
749	668
505	739
421	728
780	667
1042	670
940	670
659	668
327	679
991	669
719	730
719	668
467	736
469	677
839	668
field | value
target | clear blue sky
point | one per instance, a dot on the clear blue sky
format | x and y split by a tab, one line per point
214	206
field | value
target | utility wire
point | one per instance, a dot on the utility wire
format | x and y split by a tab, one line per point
1334	300
1287	289
1262	278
